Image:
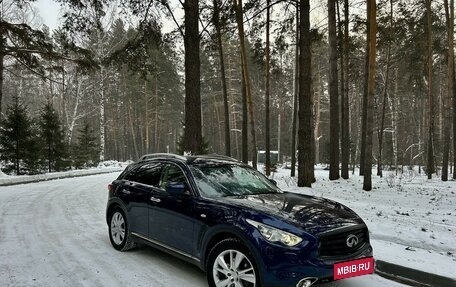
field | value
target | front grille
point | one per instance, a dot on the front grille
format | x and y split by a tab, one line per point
335	244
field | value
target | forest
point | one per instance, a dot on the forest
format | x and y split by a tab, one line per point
355	86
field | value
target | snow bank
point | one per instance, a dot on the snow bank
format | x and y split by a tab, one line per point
103	167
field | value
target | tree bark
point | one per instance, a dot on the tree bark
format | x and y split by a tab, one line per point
216	21
2	58
193	138
305	158
431	116
267	112
295	98
334	124
245	67
385	99
362	156
245	121
449	17
372	18
345	99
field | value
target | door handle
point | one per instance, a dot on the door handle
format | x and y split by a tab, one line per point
154	199
126	191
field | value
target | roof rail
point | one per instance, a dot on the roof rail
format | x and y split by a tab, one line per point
162	155
218	156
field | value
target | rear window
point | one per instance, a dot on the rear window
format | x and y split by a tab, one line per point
148	173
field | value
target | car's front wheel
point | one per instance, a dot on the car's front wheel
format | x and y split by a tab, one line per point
230	264
119	233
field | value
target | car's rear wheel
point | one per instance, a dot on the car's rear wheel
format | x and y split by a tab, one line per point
230	264
119	233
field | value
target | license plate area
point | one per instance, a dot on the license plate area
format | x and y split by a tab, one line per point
353	268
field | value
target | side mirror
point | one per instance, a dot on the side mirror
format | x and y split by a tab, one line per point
273	182
176	188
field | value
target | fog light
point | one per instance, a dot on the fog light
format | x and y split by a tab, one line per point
306	282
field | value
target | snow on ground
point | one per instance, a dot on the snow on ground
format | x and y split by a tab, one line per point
412	220
54	234
103	167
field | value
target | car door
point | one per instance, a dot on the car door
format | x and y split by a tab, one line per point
171	219
138	189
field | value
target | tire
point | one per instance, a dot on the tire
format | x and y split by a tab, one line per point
220	273
119	232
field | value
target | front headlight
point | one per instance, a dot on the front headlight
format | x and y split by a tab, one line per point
275	235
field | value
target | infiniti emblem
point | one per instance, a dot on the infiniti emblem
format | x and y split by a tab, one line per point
352	240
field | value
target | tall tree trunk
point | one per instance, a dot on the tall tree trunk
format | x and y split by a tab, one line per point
305	158
245	67
317	104
345	101
102	115
372	18
362	155
216	21
431	117
385	98
132	128
193	137
449	17
245	121
393	106
267	112
146	118
2	58
295	98
334	124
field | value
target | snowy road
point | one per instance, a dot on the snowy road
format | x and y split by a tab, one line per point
54	234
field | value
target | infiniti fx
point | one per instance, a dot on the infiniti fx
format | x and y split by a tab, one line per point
232	222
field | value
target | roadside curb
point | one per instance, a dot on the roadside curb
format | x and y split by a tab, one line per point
53	176
411	276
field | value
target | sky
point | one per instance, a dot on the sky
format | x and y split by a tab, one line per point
49	12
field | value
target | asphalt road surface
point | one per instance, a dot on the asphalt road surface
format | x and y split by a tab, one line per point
54	234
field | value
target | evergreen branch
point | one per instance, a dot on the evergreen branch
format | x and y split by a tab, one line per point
37	73
166	4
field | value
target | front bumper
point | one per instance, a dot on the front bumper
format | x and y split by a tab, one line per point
281	267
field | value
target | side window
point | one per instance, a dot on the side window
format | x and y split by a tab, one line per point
128	173
149	174
172	173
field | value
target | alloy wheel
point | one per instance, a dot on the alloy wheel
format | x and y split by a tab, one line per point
233	269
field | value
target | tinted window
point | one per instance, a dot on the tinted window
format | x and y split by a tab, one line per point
126	174
148	174
172	173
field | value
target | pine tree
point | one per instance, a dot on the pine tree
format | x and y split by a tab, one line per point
53	149
85	152
18	147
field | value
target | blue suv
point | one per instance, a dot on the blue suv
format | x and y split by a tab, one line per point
232	222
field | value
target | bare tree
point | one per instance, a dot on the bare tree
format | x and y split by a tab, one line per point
372	19
305	158
238	8
334	124
267	96
295	97
193	138
449	17
385	98
345	103
216	21
431	117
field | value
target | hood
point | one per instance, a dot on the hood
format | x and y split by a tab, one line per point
313	214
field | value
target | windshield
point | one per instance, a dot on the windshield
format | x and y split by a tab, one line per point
230	180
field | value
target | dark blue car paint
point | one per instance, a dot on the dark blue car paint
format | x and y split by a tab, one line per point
187	223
